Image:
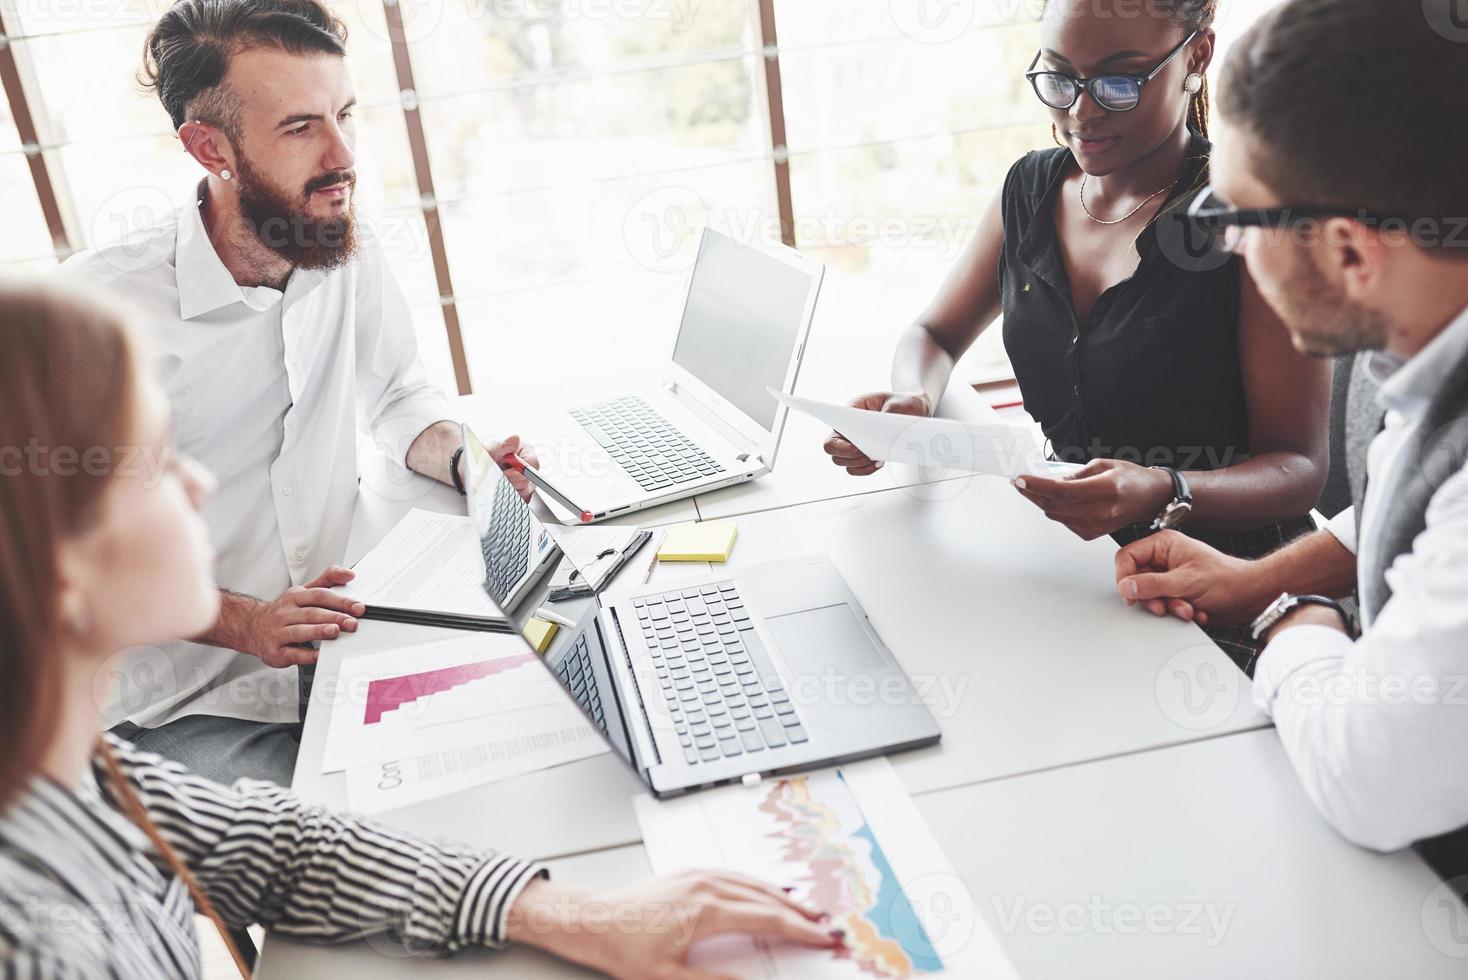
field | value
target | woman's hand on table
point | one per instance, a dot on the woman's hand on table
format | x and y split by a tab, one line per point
645	932
844	454
1103	497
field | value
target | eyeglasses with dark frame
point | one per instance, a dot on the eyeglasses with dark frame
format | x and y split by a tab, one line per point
1212	212
1114	93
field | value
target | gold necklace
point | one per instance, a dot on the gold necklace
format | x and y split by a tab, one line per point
1129	213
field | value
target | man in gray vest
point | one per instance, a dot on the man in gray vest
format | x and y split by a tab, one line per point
1339	177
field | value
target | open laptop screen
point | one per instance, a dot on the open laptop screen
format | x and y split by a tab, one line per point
741	323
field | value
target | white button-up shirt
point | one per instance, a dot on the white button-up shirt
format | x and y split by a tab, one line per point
1374	728
269	390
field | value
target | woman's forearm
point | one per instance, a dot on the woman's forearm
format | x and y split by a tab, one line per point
1273	486
921	365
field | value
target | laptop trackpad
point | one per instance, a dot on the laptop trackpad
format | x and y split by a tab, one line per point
818	638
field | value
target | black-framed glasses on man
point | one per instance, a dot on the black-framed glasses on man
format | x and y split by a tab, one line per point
1114	93
1213	213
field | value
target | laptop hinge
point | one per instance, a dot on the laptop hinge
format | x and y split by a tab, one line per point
711	418
637	690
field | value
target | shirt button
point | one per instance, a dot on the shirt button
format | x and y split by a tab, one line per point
300	554
287	490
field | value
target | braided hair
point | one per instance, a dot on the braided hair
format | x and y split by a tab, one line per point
1196	15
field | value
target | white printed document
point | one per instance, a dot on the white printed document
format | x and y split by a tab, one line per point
850	841
428	563
486	694
389	785
937	446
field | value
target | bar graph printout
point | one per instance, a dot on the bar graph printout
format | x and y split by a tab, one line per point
479	702
848	840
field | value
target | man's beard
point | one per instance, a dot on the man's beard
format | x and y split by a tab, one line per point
284	226
1322	322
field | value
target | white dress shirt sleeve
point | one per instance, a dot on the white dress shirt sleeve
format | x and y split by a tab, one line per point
1373	728
1343	526
395	399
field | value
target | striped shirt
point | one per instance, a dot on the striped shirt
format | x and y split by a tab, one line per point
84	894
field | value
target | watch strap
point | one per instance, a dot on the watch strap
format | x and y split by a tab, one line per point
454	471
1181	492
1182	501
1288	603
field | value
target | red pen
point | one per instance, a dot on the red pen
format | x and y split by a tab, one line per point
514	462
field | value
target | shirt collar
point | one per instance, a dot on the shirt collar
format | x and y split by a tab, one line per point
204	284
1409	386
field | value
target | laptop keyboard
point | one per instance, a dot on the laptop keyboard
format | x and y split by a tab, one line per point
507	545
650	449
575	671
723	694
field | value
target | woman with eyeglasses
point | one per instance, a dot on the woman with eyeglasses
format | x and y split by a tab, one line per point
1140	345
106	851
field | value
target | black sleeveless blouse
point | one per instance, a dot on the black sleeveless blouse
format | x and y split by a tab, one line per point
1154	378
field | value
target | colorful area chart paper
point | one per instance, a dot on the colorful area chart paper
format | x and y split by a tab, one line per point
850	841
487	695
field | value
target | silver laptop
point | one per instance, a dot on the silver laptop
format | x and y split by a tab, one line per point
728	677
711	422
517	548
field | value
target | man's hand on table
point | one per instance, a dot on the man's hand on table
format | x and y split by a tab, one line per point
1169	573
280	632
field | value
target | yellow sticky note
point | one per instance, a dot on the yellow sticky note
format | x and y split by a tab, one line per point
540	633
711	541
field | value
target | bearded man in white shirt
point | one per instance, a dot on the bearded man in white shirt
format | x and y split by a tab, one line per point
280	333
1338	176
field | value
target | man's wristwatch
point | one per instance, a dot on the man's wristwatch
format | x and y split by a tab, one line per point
1285	604
454	471
1175	513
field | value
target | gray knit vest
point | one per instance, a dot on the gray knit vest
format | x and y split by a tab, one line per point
1437	451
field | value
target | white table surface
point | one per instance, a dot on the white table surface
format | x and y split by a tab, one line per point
1093	753
1201	860
1011	622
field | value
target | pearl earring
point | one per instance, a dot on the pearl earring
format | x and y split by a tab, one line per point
1194	84
224	175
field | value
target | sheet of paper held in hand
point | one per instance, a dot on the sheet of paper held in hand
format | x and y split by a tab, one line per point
848	840
428	562
967	437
